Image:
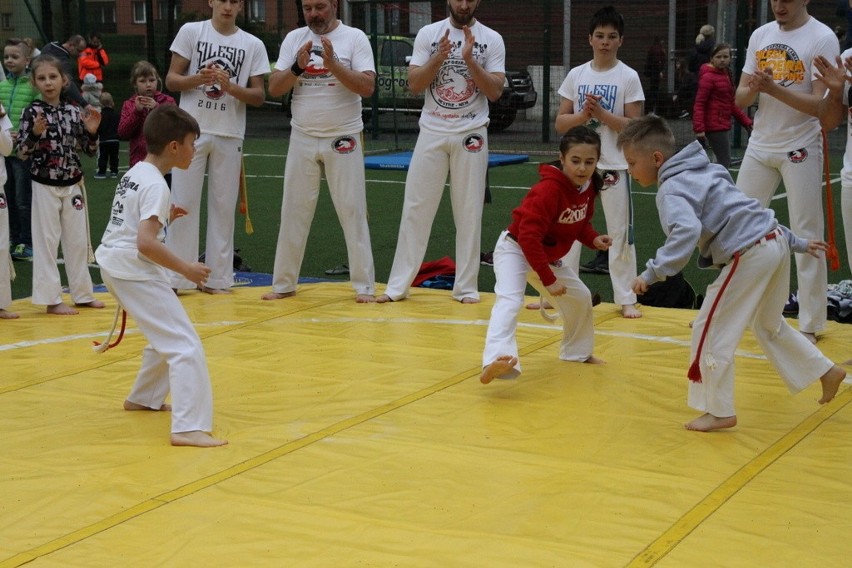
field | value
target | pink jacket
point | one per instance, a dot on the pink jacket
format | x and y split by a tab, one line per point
714	102
130	125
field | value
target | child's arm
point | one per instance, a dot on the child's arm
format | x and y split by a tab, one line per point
155	251
91	120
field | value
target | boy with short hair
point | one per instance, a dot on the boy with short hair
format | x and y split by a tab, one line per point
108	142
699	205
605	93
133	261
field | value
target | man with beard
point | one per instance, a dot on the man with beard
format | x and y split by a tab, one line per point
329	67
460	62
218	69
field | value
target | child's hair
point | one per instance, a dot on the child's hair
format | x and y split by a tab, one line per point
47	59
579	135
106	100
143	69
167	123
706	31
20	44
649	133
607	16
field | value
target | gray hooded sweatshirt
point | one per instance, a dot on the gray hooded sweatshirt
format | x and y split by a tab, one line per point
699	205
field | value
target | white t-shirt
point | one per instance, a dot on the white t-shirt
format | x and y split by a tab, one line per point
241	54
453	103
617	87
790	54
321	105
141	194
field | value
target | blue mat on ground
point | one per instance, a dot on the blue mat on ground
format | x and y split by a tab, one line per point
401	160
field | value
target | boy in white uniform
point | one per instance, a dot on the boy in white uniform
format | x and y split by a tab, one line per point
5	257
133	261
329	66
700	206
604	94
218	69
785	143
462	62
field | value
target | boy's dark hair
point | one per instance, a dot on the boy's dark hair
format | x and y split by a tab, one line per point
607	16
167	123
582	135
649	133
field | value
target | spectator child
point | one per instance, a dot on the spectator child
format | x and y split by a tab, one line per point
53	132
146	84
108	144
5	264
92	90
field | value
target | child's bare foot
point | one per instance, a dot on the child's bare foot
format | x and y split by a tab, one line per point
630	311
365	299
93	304
539	305
592	360
831	382
501	365
7	315
470	300
214	291
383	299
811	336
707	422
133	406
61	309
277	295
196	438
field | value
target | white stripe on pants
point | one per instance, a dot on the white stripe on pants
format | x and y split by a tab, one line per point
59	216
512	272
615	201
755	296
760	174
436	155
347	187
174	358
222	156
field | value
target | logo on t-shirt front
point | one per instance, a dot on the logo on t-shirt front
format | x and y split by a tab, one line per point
786	66
798	156
316	69
344	145
211	56
474	143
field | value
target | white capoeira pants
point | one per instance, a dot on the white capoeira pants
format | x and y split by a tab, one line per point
465	158
846	210
59	216
760	174
615	200
221	158
755	296
6	268
343	158
174	358
575	307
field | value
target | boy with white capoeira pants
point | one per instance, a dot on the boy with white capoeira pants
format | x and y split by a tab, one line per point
218	69
462	62
329	66
133	261
786	141
5	257
699	205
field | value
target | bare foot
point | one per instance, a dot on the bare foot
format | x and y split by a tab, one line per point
630	311
595	361
691	323
501	365
61	309
196	438
708	422
831	382
811	336
538	305
7	315
383	299
212	291
93	304
470	300
133	406
277	295
365	299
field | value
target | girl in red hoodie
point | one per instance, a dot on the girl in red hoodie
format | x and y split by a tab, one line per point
714	105
556	212
146	82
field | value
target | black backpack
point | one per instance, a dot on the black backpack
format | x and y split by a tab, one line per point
673	292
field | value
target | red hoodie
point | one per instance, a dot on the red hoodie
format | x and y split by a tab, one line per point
551	217
130	125
714	102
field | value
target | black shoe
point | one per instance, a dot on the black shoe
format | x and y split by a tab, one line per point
486	258
598	265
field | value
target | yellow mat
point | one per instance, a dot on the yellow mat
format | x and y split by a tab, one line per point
361	436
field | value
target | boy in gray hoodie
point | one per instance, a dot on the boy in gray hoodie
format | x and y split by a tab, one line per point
699	205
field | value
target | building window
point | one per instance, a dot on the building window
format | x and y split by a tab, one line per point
256	10
139	13
163	9
101	13
6	21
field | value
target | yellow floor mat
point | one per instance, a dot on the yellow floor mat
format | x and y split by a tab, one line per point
361	436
